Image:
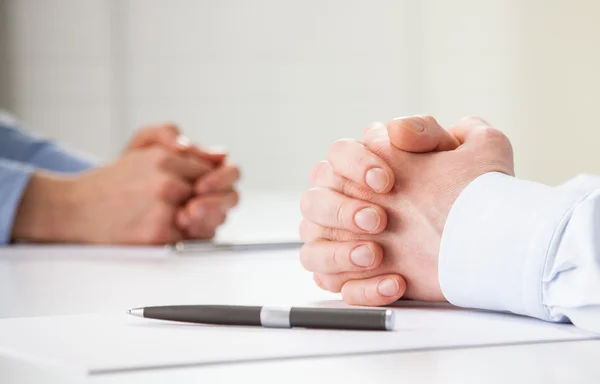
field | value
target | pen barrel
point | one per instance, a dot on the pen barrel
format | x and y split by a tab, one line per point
357	319
206	314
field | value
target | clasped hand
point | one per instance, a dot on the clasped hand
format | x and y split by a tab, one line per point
162	189
374	219
179	190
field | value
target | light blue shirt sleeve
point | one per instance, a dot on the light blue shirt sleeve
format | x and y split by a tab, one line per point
523	247
14	178
23	147
20	154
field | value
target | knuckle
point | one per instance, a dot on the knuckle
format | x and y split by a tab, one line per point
499	153
317	280
211	208
348	295
317	173
364	160
346	187
181	190
305	257
337	259
373	133
235	198
494	137
364	296
489	133
221	218
304	231
165	187
340	214
170	127
339	146
236	172
306	202
356	294
353	190
324	233
327	233
334	234
483	130
310	233
330	283
160	155
379	146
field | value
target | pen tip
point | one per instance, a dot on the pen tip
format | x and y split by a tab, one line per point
139	312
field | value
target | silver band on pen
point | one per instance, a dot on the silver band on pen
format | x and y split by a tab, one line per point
275	317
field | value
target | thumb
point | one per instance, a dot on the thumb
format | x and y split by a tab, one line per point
420	134
169	136
165	134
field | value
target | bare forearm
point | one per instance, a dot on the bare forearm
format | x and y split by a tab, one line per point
47	210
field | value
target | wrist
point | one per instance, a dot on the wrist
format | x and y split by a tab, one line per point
48	210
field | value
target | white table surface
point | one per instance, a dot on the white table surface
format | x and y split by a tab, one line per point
50	280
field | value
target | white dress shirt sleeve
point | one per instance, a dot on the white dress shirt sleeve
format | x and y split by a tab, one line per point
518	246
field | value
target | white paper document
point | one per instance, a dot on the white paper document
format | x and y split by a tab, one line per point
104	344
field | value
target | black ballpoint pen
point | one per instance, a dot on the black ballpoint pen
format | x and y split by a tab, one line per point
273	317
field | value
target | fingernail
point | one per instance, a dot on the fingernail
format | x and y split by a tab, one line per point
184	141
367	219
362	256
417	125
200	212
377	179
388	287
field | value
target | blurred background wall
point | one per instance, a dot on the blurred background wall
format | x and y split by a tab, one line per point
277	81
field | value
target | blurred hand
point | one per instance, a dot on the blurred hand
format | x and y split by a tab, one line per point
213	192
374	198
161	190
214	196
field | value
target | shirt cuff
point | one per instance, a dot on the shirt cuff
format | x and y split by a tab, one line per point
53	157
497	238
14	178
